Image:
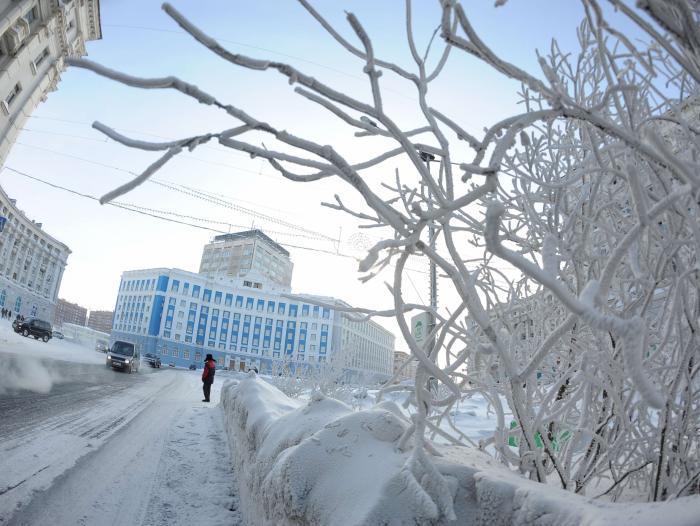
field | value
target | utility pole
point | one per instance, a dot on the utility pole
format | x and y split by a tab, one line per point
427	158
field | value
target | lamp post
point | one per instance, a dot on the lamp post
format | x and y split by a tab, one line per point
427	158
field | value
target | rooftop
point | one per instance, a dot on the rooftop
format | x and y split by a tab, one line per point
250	234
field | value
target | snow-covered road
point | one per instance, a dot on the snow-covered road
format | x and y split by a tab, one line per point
106	448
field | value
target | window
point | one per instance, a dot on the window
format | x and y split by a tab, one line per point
31	15
195	291
217	298
175	287
13	94
41	57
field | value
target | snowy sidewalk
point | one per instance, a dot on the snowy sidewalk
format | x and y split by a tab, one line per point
168	465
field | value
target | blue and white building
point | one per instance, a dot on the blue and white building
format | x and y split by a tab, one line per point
244	323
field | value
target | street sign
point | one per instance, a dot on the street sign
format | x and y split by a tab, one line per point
420	327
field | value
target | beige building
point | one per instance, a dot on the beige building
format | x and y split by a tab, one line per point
101	320
364	348
409	371
35	38
250	255
67	312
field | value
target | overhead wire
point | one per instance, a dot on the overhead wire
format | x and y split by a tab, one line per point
153	213
200	195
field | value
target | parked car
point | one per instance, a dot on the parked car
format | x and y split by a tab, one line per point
58	334
101	347
171	364
123	356
34	327
193	367
152	360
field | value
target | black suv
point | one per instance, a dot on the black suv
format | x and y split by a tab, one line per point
152	360
34	327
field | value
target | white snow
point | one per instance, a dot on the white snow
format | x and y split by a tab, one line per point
26	368
147	452
319	462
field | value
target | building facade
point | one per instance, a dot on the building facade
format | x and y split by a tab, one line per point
101	320
31	263
67	312
35	38
409	371
182	316
251	255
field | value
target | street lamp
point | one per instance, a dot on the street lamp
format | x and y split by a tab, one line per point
427	157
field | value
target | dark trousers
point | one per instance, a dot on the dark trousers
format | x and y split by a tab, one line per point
206	387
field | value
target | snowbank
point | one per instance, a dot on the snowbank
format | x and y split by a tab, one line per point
319	462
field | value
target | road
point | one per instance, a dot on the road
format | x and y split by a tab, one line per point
107	448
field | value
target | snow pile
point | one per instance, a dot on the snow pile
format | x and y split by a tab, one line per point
321	463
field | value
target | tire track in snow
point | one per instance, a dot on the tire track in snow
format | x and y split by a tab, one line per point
168	465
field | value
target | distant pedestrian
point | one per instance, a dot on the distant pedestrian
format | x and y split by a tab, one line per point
208	375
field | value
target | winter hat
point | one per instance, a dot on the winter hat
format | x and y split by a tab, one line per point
209	357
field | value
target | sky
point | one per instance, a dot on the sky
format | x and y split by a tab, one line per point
59	146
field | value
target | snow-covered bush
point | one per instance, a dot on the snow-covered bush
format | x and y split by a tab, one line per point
589	196
319	462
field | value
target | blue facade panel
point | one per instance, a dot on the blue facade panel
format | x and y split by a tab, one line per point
162	284
156	313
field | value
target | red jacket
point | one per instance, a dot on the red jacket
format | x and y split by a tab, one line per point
209	372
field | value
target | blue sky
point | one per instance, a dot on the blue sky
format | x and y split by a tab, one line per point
139	38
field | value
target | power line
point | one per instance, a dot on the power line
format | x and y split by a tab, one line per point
108	141
186	155
153	213
196	194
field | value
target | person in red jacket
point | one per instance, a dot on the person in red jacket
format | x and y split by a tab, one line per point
208	375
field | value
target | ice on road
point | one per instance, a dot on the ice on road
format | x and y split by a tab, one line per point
107	448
